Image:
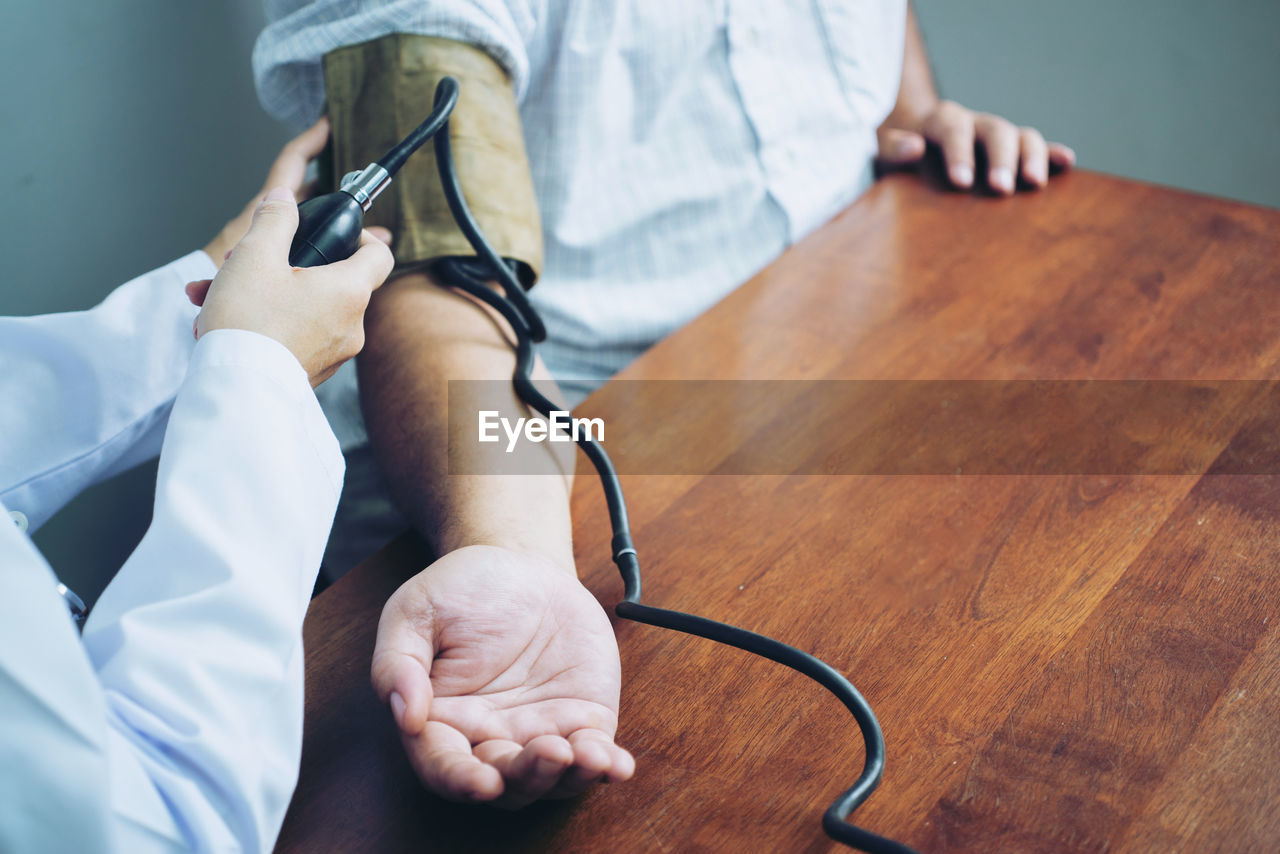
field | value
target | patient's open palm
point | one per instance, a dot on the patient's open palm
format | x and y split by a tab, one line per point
502	672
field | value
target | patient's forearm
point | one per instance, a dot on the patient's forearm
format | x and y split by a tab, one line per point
420	336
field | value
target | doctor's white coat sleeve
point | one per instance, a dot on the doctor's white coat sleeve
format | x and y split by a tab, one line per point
176	722
86	394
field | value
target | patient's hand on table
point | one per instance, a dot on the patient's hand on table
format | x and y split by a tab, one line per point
502	672
1015	155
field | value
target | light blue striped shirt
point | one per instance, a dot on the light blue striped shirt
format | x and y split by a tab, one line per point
677	146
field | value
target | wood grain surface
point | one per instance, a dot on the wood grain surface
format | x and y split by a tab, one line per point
1060	663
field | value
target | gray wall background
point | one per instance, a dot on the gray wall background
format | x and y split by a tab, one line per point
131	132
1178	92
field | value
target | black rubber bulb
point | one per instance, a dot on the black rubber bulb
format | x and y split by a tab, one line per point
328	230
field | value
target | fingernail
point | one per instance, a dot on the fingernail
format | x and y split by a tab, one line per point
1001	179
904	147
961	176
279	194
1037	173
397	708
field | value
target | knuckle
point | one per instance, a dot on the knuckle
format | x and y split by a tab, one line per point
271	208
957	134
995	126
957	128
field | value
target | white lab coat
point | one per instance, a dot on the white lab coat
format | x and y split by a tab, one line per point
175	722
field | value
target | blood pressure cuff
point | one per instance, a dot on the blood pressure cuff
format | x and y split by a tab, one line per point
381	90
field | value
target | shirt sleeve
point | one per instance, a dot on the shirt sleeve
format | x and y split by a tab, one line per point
87	393
287	56
177	723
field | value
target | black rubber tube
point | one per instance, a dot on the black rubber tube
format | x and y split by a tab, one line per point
445	99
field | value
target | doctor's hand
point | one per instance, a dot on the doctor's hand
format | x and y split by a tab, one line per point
502	674
288	170
1012	152
317	312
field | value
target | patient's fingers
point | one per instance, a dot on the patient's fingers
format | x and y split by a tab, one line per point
528	773
442	758
291	165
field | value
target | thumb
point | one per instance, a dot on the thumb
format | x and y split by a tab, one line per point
899	146
276	219
401	669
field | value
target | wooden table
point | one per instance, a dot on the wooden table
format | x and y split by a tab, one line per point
1060	663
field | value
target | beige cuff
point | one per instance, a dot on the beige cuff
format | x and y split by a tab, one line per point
381	90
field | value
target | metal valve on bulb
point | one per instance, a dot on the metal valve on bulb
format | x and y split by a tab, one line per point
329	226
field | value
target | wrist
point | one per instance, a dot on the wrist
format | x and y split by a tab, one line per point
526	514
524	552
913	112
918	95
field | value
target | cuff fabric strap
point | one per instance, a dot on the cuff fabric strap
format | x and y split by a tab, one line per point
381	90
